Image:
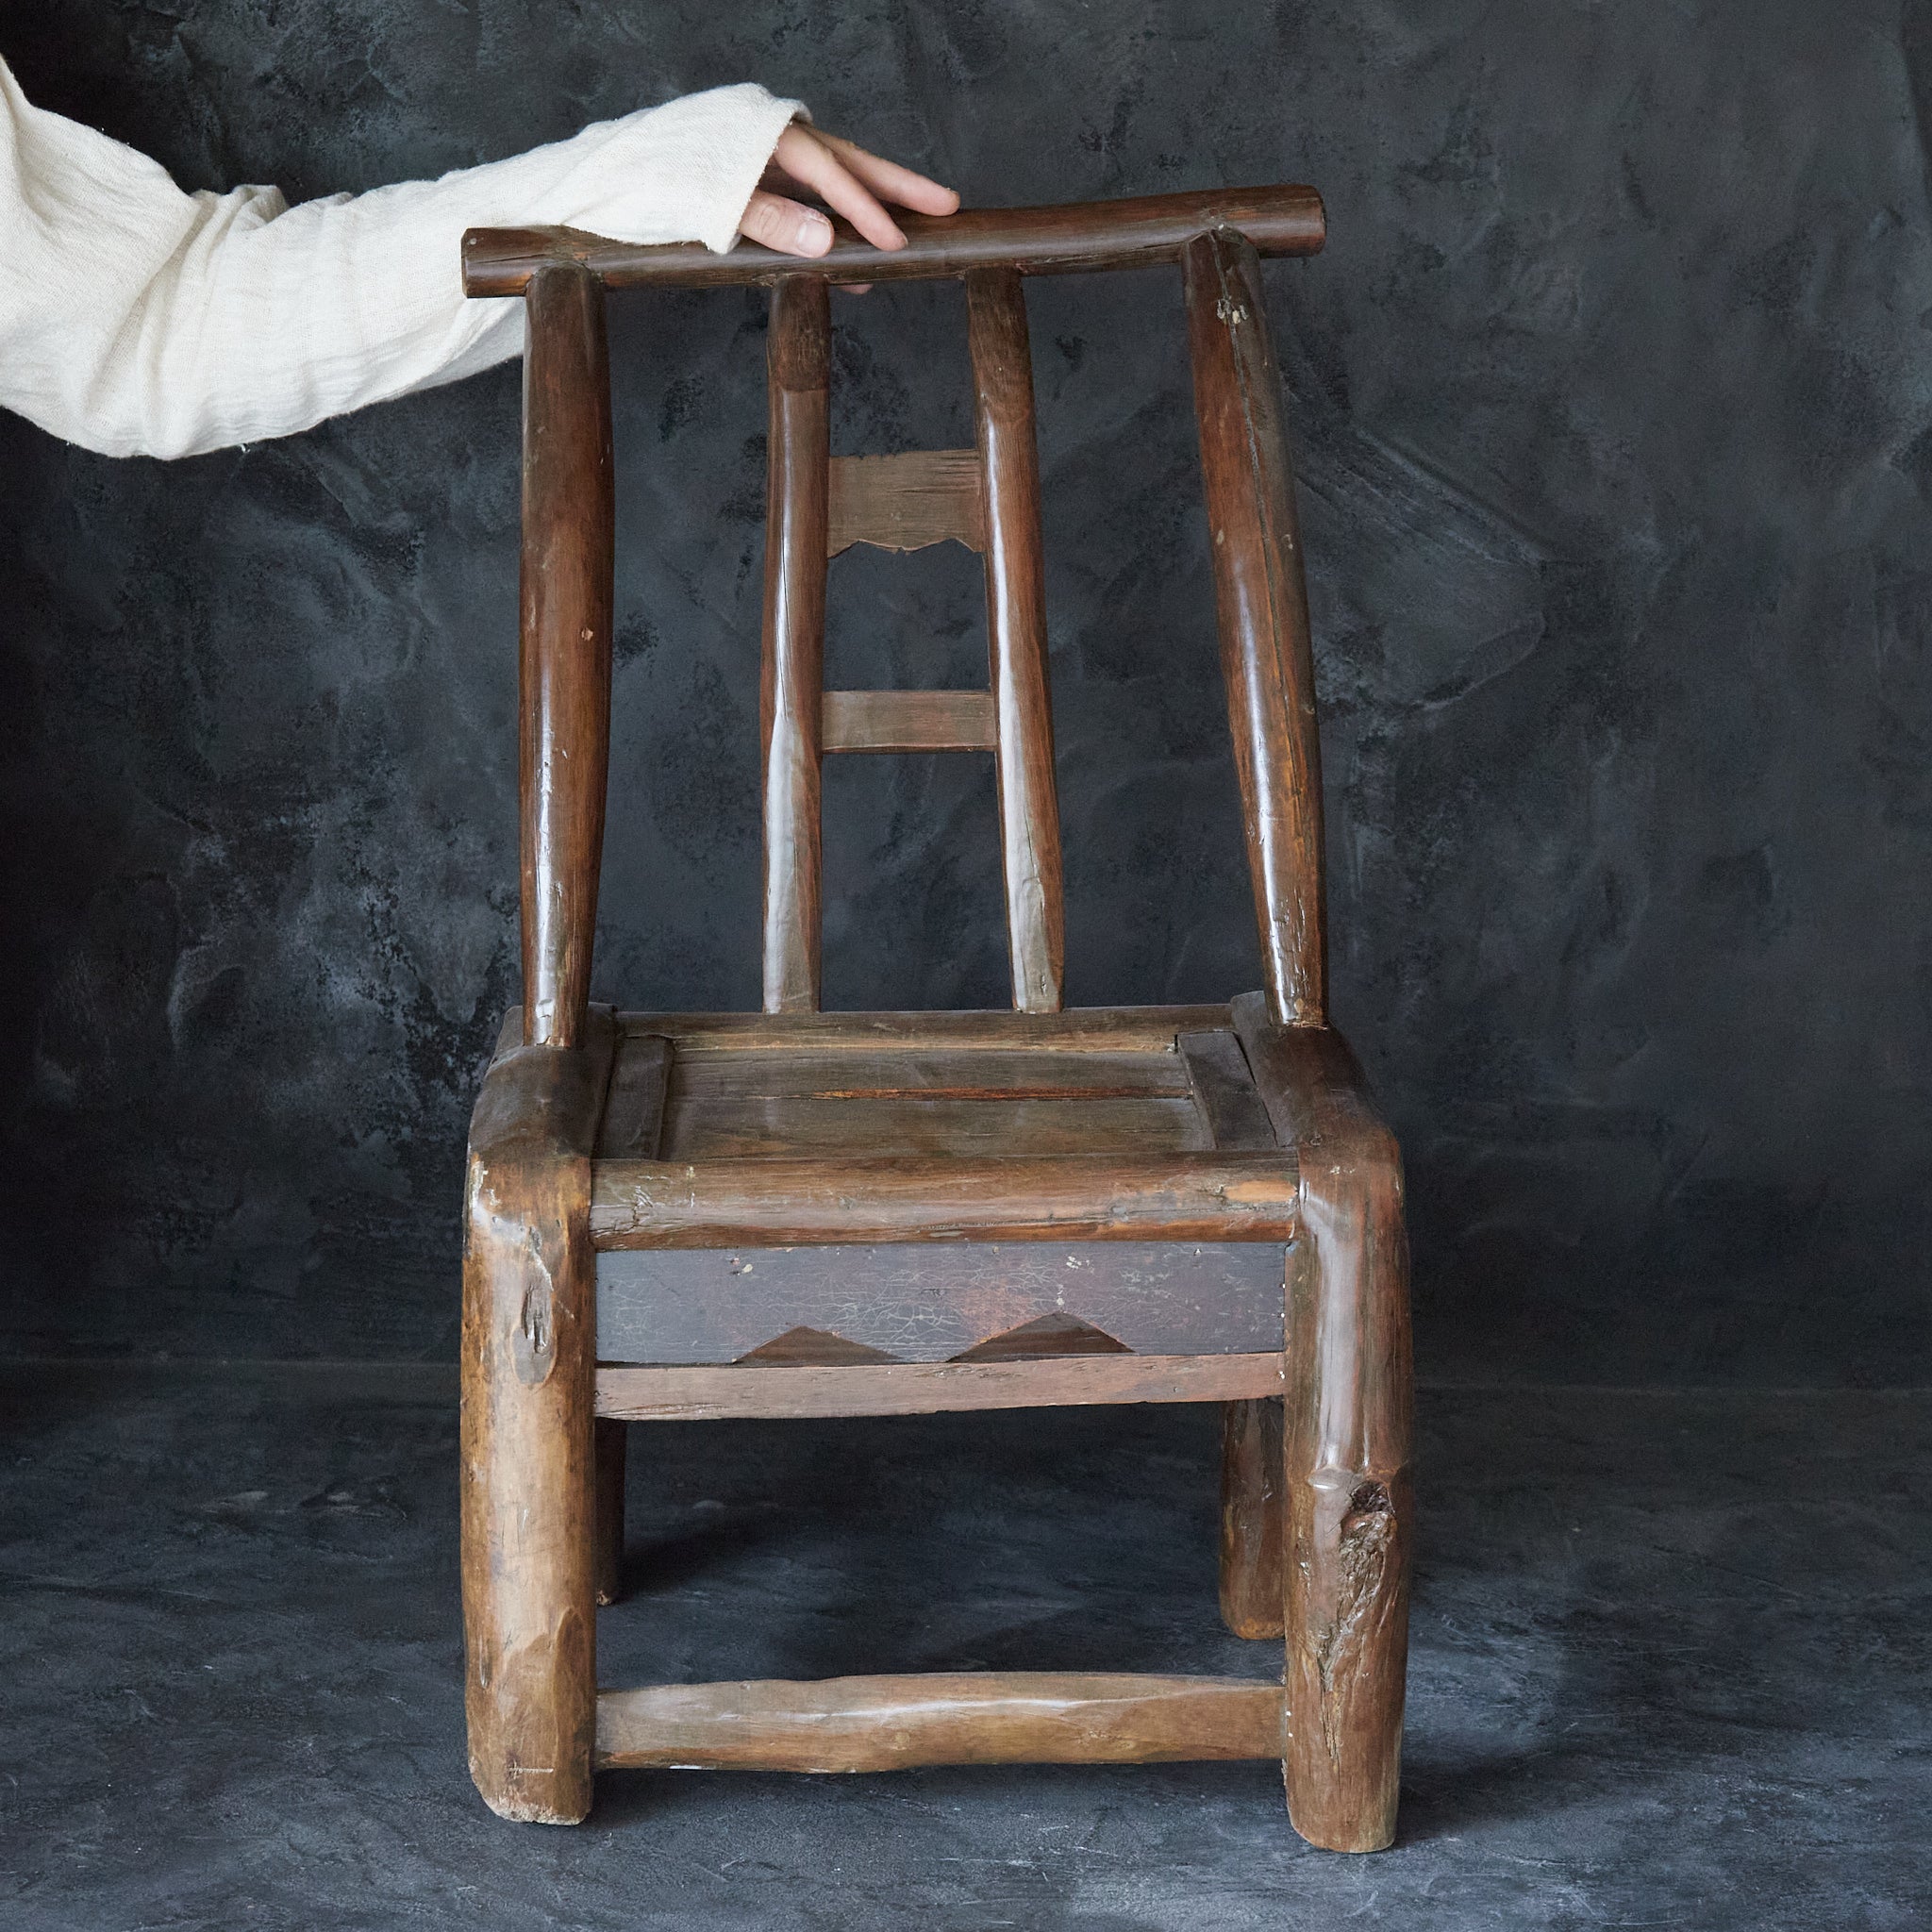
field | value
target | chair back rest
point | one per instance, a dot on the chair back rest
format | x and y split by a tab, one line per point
987	497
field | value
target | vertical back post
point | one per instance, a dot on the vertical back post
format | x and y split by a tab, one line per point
564	659
1016	628
1263	610
791	686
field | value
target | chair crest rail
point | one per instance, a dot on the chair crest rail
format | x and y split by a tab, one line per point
1064	240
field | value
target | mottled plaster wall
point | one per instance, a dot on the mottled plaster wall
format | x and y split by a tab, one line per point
1612	393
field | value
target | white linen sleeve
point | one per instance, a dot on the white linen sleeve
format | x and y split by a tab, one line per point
136	319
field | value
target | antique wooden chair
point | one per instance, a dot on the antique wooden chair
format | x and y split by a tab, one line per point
798	1213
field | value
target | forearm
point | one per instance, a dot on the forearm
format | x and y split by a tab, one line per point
180	324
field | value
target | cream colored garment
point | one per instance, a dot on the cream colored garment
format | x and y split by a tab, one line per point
137	319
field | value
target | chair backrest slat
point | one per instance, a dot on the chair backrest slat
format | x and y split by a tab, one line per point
1016	630
908	721
906	501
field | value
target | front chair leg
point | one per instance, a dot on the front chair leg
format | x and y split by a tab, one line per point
1350	1504
528	1386
1349	1423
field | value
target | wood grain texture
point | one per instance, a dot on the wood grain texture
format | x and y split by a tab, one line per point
745	1391
931	1073
783	1203
905	501
792	681
633	1123
1079	1029
1044	1337
1349	1434
922	1123
1262	608
564	659
1253	1518
1223	1090
930	1303
1016	635
528	1512
906	721
893	1724
1133	232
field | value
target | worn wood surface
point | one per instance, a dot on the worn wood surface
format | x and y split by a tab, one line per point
892	1723
745	1389
1044	1336
908	720
528	1495
1349	1433
1132	232
1079	1029
802	1347
782	1203
1253	1506
933	1072
633	1123
1262	608
564	659
1223	1091
905	501
929	1302
792	681
914	1124
1016	635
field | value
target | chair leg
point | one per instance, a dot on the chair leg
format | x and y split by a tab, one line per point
612	1439
1350	1505
1250	1518
529	1487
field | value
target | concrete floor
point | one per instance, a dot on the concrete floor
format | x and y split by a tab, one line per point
1671	1668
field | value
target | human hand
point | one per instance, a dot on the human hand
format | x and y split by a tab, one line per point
848	180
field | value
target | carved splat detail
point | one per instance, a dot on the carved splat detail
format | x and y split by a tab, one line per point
812	1348
1054	1334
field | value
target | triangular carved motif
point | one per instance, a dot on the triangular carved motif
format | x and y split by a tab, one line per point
1049	1334
814	1348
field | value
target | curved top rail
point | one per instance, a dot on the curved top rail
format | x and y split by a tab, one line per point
1060	240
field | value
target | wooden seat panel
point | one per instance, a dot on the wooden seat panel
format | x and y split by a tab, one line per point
781	1125
807	1099
843	1106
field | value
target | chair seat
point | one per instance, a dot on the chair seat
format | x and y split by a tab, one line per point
915	1188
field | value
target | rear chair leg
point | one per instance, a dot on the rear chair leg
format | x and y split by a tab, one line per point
1250	1518
1350	1504
611	1439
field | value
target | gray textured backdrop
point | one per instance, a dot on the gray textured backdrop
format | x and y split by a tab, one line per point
1613	399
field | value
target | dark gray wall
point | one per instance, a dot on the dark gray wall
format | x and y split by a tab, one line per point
1612	396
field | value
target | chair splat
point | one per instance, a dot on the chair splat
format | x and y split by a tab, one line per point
1016	627
906	501
987	498
791	688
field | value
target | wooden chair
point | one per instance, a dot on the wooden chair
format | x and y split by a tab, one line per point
798	1213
